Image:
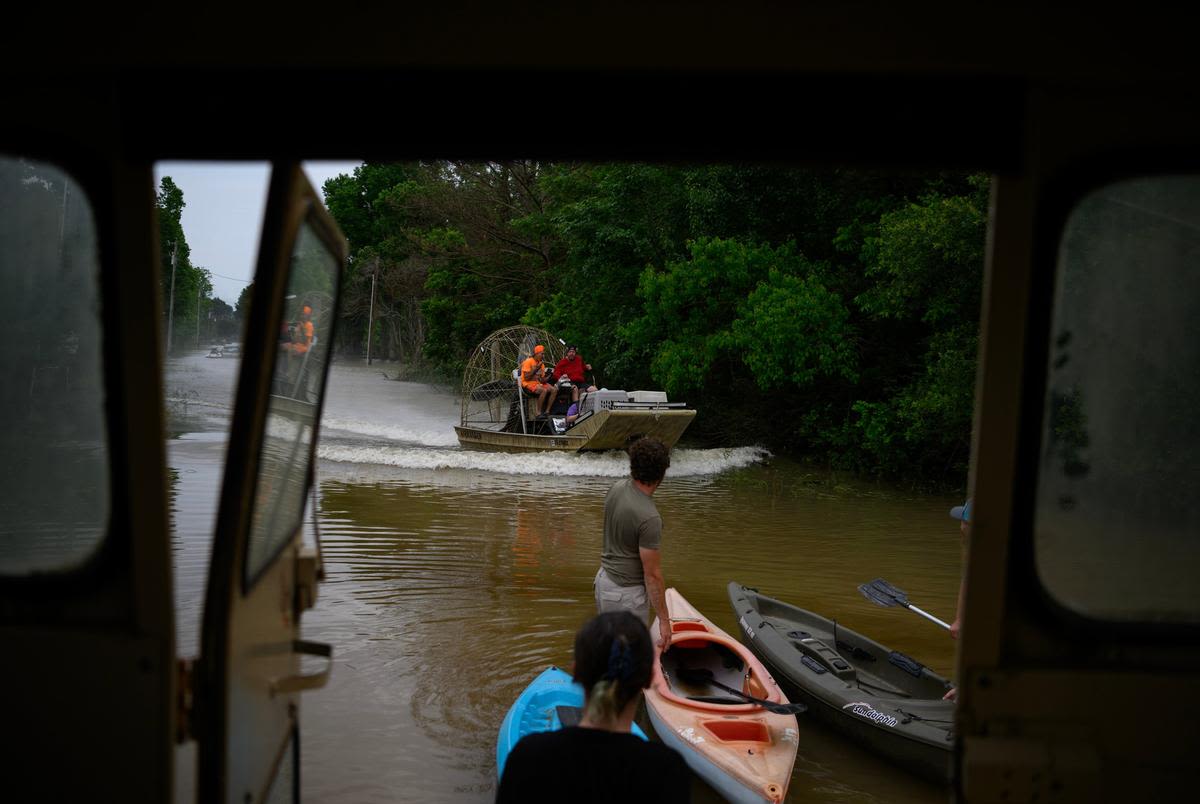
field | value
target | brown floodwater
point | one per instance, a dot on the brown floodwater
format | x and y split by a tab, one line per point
455	577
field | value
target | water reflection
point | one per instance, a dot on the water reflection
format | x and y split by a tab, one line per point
476	591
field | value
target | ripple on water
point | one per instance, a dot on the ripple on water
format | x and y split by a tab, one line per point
455	577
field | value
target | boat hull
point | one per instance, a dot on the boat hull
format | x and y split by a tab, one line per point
879	698
536	710
604	430
743	751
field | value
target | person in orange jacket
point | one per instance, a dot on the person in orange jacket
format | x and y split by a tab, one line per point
533	380
302	339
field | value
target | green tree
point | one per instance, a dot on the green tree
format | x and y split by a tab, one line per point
225	325
926	262
613	221
242	307
736	320
846	299
185	288
795	332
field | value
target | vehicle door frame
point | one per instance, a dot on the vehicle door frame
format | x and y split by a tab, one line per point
291	203
1031	671
101	634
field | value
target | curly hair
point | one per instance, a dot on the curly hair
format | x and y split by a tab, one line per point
648	459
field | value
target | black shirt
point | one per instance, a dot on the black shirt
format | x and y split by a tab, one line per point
585	765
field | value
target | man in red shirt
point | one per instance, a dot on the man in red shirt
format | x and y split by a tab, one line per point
572	366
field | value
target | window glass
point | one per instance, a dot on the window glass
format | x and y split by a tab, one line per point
303	350
1117	531
54	500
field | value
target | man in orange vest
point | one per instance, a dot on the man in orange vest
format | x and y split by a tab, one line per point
304	332
533	380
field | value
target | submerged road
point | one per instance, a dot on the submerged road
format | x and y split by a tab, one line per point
455	577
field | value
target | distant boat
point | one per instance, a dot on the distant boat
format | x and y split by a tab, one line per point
498	415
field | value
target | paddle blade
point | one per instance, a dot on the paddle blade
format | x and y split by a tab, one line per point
883	593
796	708
876	597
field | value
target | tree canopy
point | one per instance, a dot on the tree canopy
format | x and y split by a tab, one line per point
832	314
186	289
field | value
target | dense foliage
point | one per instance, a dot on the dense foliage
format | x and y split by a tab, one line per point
831	314
190	313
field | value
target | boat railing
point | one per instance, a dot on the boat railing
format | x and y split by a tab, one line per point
648	405
520	399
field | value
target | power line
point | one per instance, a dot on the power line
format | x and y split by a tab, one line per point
234	278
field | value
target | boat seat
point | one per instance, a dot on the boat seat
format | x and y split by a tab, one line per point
723	663
569	715
525	395
821	654
520	387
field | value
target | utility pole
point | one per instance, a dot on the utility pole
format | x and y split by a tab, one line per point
197	316
371	313
171	306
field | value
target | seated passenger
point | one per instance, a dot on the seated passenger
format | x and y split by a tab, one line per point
572	366
600	760
533	380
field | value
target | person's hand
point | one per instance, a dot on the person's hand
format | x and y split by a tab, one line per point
954	629
664	633
951	695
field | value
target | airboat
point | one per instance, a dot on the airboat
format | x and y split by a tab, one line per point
499	415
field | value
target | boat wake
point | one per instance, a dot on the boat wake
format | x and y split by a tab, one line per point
437	436
684	462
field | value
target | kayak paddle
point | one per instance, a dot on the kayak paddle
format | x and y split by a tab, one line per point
882	593
702	675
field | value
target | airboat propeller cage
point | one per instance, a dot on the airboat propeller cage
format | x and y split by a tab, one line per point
497	414
491	378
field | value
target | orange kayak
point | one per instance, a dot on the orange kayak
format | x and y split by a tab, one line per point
742	750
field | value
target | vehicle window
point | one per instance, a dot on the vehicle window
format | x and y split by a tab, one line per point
303	349
54	501
1117	533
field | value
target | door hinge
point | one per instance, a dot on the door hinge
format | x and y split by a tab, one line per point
309	573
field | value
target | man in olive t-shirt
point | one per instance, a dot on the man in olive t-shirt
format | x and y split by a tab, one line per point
630	575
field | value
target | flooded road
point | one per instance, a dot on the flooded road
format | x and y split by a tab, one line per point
455	577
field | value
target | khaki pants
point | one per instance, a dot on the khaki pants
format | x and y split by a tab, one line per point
610	597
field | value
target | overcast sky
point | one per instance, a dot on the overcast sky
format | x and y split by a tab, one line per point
223	213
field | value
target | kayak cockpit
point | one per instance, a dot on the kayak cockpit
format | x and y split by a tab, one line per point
696	670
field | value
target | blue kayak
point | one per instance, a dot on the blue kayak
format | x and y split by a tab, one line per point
551	701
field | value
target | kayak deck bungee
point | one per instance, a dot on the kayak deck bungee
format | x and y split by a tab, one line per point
743	751
876	696
550	702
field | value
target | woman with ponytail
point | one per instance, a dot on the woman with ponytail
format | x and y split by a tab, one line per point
600	760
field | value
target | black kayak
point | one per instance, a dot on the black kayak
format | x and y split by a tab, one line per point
876	696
